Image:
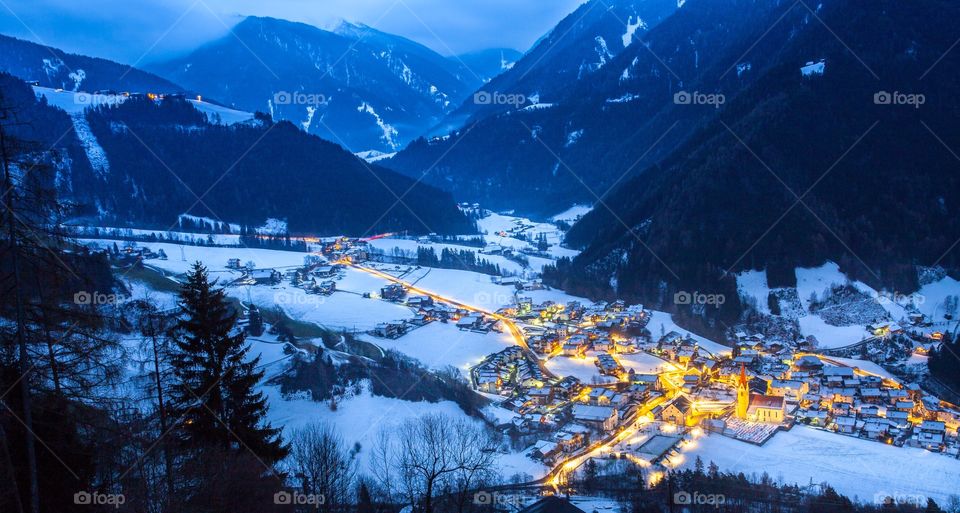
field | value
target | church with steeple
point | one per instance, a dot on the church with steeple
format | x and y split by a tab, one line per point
757	407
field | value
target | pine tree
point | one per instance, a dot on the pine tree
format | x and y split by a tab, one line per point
590	474
215	390
364	500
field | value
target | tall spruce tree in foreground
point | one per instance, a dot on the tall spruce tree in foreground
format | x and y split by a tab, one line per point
215	381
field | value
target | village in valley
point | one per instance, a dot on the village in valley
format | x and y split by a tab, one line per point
570	380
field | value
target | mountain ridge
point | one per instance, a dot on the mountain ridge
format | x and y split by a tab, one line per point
365	89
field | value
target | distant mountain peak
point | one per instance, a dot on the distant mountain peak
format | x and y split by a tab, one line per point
355	85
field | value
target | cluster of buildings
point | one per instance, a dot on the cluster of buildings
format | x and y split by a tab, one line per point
356	250
574	329
318	278
426	311
130	256
506	371
560	417
748	395
807	388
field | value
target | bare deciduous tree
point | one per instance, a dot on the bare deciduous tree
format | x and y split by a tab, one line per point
324	465
435	455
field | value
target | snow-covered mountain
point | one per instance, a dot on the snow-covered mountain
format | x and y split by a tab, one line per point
823	149
551	107
356	86
581	44
54	68
125	161
691	132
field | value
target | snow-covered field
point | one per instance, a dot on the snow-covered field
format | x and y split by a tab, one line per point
467	287
495	224
221	115
438	345
854	467
409	247
76	102
182	257
831	336
663	322
643	363
934	296
866	366
818	281
339	311
359	419
584	369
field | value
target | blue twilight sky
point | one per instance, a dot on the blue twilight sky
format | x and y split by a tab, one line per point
133	31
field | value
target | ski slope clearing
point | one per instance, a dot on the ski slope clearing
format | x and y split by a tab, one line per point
817	282
752	287
572	214
854	467
221	115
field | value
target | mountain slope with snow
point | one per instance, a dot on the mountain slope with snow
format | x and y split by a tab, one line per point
54	68
795	169
359	87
